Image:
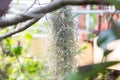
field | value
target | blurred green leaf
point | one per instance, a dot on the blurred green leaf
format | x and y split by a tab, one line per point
36	31
28	36
82	49
93	21
31	66
116	3
17	50
106	52
87	72
9	53
105	38
8	43
109	35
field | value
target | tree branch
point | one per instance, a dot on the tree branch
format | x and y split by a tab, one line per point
26	26
47	9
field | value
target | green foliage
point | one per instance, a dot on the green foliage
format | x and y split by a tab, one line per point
118	78
17	50
91	36
10	49
14	63
109	36
31	66
27	37
93	21
106	52
14	67
82	49
116	3
88	72
28	69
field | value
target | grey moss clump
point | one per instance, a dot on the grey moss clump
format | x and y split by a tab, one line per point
63	44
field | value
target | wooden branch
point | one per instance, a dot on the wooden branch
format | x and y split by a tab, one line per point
47	9
26	26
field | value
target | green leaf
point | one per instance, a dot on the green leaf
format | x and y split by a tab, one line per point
28	36
31	66
105	38
93	21
17	50
82	49
87	72
106	52
116	3
109	35
74	76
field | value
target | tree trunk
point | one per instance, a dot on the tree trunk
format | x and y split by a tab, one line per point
63	44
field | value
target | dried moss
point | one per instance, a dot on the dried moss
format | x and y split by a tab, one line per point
63	44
